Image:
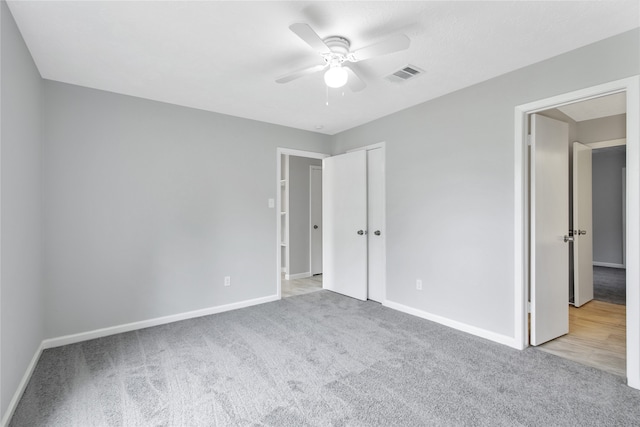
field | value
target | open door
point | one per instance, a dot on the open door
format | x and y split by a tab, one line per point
344	212
315	195
582	224
549	229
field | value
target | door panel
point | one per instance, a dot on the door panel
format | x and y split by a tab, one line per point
344	211
549	224
316	219
375	192
582	224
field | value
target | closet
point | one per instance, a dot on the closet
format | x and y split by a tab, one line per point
353	218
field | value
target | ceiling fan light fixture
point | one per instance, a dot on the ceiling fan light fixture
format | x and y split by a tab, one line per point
336	77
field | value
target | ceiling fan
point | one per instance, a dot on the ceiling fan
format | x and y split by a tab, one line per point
336	55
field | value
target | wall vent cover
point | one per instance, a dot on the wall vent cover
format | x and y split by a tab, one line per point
405	73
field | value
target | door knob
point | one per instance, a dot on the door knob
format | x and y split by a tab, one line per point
582	232
361	232
315	227
568	239
377	232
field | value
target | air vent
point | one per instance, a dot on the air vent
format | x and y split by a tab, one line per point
406	73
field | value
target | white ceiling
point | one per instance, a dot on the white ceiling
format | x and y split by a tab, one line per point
224	56
603	106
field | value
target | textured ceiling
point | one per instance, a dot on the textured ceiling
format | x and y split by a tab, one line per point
224	56
603	106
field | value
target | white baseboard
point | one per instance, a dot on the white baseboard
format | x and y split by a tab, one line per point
297	276
98	333
473	330
21	387
608	264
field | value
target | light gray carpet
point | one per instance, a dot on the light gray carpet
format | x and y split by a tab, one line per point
609	285
319	359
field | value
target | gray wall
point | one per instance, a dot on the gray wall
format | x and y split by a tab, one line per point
603	129
607	186
299	213
607	204
21	232
149	205
450	184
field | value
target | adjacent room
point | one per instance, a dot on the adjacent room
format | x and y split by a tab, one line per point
595	273
319	213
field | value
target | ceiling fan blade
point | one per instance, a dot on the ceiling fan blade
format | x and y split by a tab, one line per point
355	83
394	44
306	33
301	73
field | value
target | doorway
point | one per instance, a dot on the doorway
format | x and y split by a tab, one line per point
523	240
597	314
302	219
294	222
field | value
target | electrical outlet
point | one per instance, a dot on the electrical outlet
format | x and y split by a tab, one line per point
227	280
419	284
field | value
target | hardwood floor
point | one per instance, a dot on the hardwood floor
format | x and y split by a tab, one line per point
597	337
301	286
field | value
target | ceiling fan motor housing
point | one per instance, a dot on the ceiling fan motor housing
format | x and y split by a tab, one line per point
339	49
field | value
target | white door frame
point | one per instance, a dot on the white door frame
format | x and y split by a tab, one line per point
631	86
382	146
279	152
311	169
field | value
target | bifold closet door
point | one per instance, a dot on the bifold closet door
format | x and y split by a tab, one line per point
344	214
375	214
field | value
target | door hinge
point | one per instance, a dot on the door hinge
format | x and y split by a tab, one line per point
528	307
529	140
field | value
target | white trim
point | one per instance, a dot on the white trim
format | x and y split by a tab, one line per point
285	213
1	150
521	243
98	333
279	152
368	147
624	214
473	330
632	257
609	143
632	87
297	276
13	404
607	264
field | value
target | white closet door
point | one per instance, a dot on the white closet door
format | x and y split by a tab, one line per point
344	213
375	192
549	228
